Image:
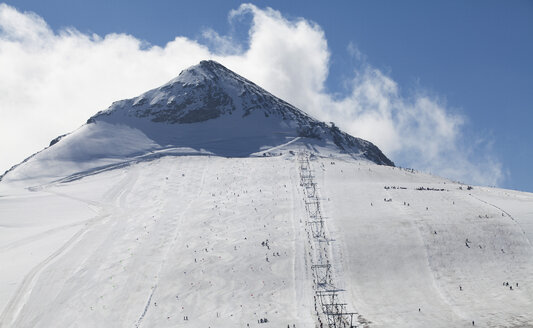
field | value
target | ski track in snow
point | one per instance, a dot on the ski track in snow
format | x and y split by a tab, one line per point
12	310
146	306
170	246
505	212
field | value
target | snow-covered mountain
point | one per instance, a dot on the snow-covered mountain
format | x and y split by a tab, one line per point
208	202
207	109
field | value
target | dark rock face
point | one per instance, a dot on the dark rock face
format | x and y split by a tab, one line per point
56	140
209	100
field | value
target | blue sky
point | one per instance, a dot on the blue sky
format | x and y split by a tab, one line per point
472	58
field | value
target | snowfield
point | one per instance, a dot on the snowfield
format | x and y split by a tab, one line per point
194	241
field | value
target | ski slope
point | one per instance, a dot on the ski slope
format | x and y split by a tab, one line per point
162	240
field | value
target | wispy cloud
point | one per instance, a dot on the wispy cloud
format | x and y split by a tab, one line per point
52	81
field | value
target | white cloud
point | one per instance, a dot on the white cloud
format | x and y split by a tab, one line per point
51	82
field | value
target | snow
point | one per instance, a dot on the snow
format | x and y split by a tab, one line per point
119	247
91	146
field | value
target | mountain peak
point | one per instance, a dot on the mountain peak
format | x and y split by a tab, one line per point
212	66
234	108
205	70
206	109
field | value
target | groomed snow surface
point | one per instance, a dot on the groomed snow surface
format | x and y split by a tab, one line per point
158	242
